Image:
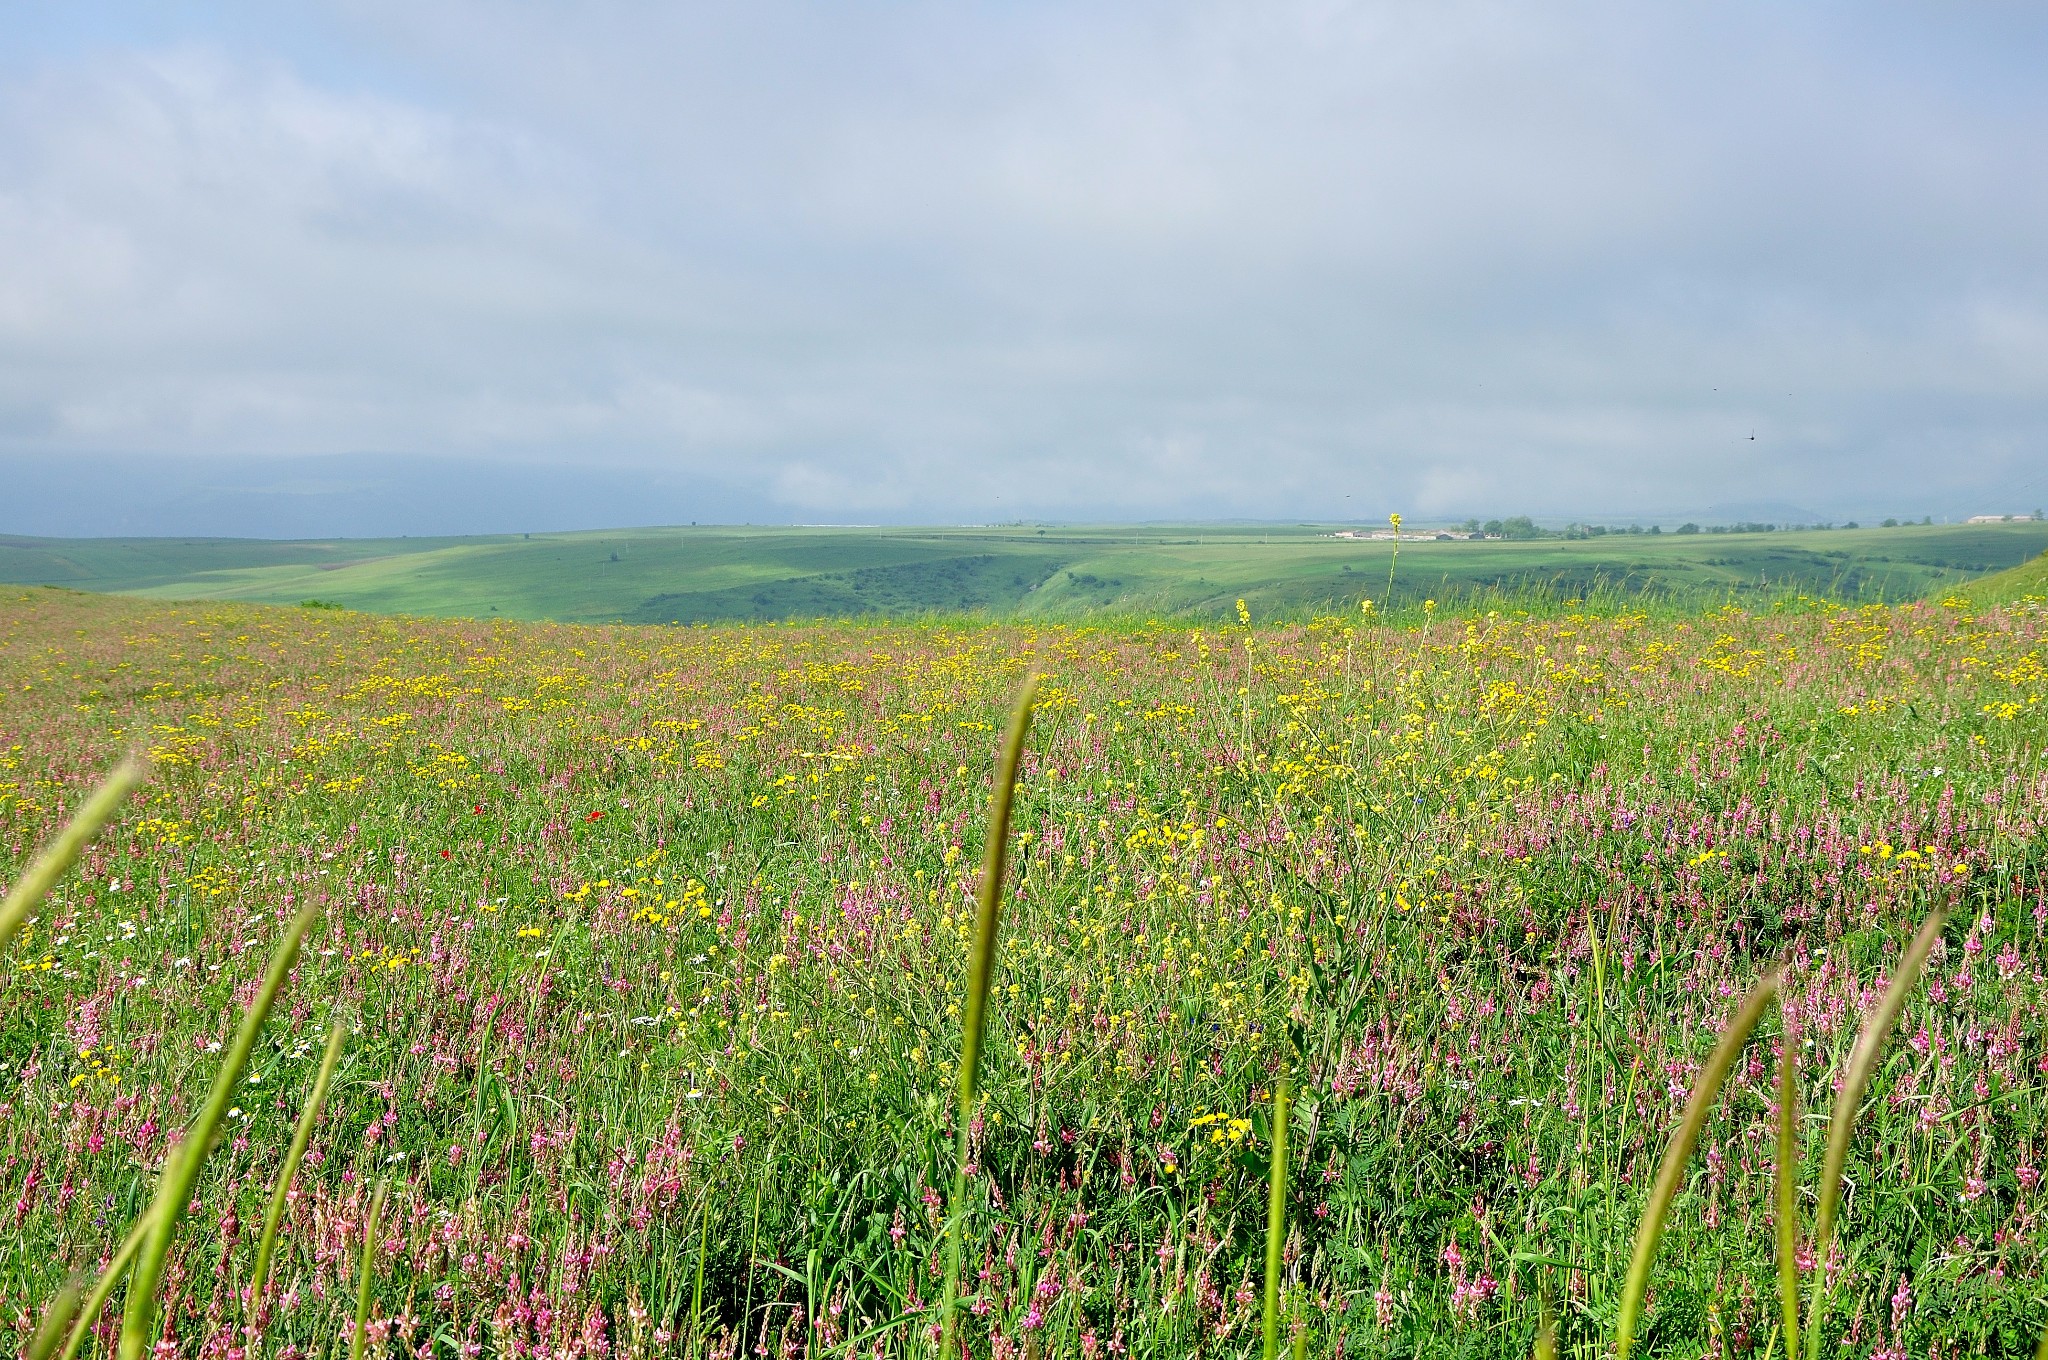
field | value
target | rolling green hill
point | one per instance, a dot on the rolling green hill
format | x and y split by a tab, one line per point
2014	583
691	575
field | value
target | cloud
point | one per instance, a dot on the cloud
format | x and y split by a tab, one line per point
923	261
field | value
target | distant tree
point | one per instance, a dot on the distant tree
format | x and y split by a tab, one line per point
1470	526
1494	527
1658	528
1852	524
1890	522
1688	528
1927	519
1519	526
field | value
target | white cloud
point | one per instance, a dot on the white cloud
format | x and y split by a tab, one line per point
922	261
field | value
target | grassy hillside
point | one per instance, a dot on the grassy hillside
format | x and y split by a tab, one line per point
2014	583
689	575
132	564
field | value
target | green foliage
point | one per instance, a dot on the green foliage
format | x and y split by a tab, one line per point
714	575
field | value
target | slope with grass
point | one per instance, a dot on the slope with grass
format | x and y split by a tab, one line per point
2026	582
693	575
650	946
143	564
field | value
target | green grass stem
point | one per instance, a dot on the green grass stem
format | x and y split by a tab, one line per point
60	854
697	1290
1842	1123
181	1166
1787	1175
980	970
56	1323
363	1275
301	1136
117	1266
1672	1173
1276	1214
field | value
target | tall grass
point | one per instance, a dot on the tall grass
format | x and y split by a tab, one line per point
1276	1213
181	1167
147	1245
30	889
1848	1107
366	1273
103	1289
16	909
259	1274
1650	1233
1786	1179
1863	1060
980	970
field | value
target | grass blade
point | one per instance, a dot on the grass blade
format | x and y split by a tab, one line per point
1276	1215
56	1323
61	853
301	1136
697	1293
117	1266
1842	1123
355	1342
1788	1198
980	969
1651	1231
181	1167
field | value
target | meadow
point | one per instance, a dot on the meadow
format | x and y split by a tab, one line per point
650	945
1055	573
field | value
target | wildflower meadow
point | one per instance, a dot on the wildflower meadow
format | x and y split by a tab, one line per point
634	965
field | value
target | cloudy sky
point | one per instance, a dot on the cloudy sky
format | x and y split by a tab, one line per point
614	263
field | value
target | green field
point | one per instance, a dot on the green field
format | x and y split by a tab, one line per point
651	952
692	575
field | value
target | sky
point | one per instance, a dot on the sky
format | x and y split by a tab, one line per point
369	266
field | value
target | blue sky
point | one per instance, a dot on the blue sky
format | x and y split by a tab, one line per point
961	262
